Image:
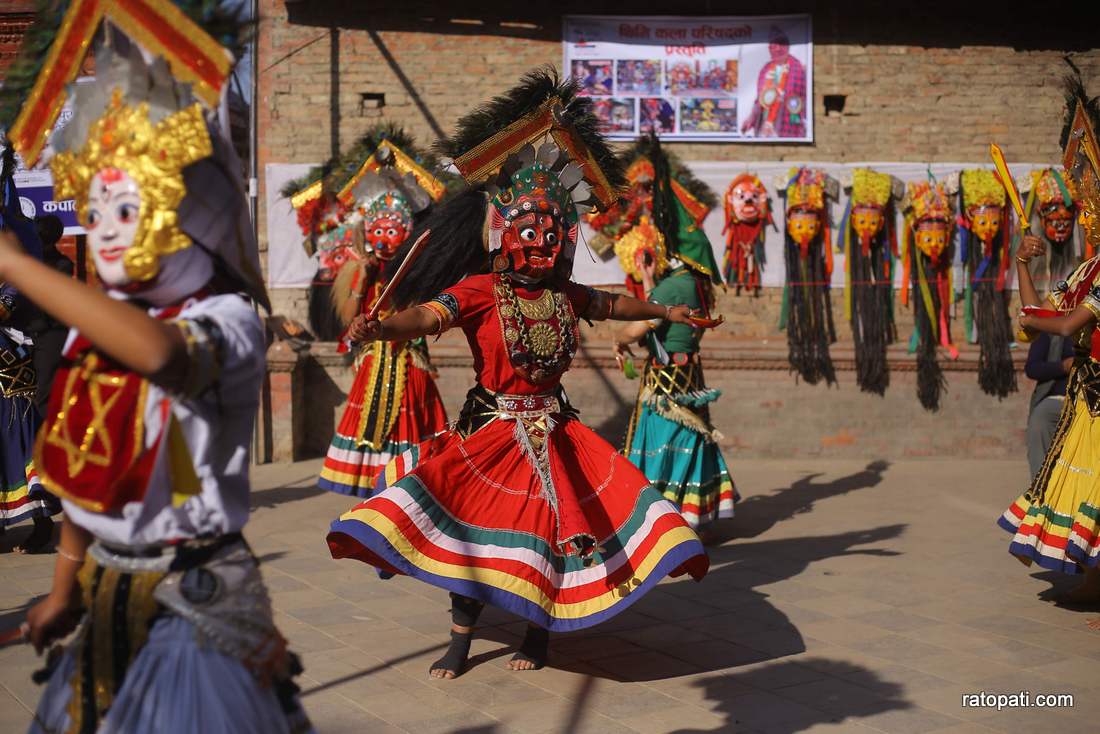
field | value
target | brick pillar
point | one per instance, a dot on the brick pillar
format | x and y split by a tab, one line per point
282	409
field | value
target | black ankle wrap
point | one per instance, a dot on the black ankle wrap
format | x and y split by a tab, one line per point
534	647
464	610
454	659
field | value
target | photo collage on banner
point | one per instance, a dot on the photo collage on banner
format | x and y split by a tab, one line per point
719	78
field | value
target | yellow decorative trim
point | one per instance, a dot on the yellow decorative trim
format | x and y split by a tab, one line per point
404	164
135	18
103	647
385	358
32	128
308	194
101	601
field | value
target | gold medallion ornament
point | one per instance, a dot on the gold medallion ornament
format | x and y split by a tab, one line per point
544	339
124	138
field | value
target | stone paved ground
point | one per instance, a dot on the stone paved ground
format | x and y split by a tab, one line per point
852	597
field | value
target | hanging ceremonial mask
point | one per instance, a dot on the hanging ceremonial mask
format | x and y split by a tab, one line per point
870	247
986	262
747	213
807	312
1051	208
926	252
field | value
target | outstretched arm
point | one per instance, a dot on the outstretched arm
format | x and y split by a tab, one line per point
408	324
1067	325
626	308
152	348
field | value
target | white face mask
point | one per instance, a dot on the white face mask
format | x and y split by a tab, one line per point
114	205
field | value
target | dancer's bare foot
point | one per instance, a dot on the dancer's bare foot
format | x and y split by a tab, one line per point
39	538
453	662
533	652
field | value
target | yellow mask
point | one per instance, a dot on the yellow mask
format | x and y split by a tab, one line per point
931	238
803	225
867	221
985	221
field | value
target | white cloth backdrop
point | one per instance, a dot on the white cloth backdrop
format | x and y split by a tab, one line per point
288	266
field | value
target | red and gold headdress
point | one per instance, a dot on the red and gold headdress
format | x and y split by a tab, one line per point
1081	155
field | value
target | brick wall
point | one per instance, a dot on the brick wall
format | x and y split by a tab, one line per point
934	83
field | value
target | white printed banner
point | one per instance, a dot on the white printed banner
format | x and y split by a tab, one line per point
748	79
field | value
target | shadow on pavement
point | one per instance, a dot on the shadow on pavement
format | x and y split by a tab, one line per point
856	693
687	628
299	489
1063	583
759	513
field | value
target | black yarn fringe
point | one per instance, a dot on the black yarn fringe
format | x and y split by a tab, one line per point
872	321
810	327
649	147
930	376
1075	94
666	218
324	321
996	372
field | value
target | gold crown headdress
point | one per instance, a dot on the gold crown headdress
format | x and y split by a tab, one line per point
924	201
142	118
154	155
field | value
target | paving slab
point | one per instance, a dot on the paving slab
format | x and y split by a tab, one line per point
843	599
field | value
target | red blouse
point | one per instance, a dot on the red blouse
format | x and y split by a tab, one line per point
545	328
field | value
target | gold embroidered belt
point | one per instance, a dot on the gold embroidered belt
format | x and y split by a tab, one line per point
483	406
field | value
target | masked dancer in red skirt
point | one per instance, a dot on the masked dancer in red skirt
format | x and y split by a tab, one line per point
520	505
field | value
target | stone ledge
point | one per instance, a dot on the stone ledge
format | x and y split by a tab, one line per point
722	354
